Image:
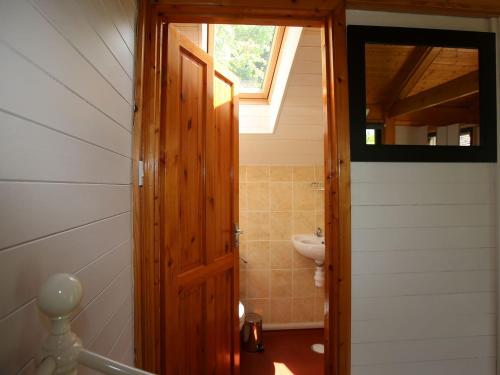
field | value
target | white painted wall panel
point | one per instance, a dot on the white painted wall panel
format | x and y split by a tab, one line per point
423	268
383	216
456	366
65	170
101	22
26	96
33	210
122	22
71	22
432	304
428	173
42	154
423	193
69	251
25	30
421	238
424	283
370	354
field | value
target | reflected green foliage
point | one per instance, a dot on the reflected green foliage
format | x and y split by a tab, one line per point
245	51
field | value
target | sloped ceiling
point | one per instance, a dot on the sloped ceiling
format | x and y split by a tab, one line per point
298	136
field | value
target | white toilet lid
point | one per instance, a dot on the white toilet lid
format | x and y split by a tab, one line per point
241	310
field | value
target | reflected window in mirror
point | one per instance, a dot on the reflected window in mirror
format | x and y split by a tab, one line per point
432	139
374	134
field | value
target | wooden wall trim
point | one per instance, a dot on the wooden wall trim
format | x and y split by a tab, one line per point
236	15
148	297
142	8
337	194
461	8
145	148
322	8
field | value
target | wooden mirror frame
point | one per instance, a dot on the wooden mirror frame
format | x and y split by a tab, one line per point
359	36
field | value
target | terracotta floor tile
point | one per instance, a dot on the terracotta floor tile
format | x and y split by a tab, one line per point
285	353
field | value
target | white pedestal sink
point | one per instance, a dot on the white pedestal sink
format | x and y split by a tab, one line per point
312	247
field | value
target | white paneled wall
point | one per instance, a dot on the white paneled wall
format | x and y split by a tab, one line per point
66	99
423	269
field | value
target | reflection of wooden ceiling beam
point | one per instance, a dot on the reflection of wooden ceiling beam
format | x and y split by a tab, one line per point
410	73
460	87
439	116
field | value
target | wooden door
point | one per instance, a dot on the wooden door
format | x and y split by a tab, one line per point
198	183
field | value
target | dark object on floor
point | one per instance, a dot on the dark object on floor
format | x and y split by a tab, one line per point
287	352
251	334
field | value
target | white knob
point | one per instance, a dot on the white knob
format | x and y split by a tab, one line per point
60	295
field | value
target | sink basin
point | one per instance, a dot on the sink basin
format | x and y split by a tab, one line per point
313	247
310	246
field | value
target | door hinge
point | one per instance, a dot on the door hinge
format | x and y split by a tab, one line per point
140	172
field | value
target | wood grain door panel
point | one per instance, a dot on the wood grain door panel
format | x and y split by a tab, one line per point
199	256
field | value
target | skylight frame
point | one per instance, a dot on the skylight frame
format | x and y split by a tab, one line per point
264	94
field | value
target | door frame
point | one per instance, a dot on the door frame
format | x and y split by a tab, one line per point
148	299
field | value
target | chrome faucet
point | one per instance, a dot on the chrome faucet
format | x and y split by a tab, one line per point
319	232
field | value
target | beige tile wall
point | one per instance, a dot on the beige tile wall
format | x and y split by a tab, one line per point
276	202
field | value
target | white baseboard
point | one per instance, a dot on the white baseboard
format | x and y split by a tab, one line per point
284	326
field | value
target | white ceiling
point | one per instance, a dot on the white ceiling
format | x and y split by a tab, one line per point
298	135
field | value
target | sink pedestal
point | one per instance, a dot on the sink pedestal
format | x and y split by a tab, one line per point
319	275
312	247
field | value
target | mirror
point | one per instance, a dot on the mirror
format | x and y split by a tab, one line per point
421	95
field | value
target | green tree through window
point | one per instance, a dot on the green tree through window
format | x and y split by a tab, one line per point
245	50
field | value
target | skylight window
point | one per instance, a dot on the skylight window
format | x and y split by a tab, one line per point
250	52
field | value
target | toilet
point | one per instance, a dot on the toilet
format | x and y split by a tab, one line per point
241	314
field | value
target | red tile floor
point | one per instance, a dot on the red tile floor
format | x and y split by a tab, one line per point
285	353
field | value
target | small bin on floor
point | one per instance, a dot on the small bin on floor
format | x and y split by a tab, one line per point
251	334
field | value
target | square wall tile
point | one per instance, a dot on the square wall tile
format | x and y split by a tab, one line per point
281	254
281	283
303	283
243	284
281	310
257	255
257	196
280	226
319	198
257	227
242	173
281	196
320	173
243	196
319	309
303	174
258	283
303	310
279	173
257	174
259	306
300	261
303	196
304	222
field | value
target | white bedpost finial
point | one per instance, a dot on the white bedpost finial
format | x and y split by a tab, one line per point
58	297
